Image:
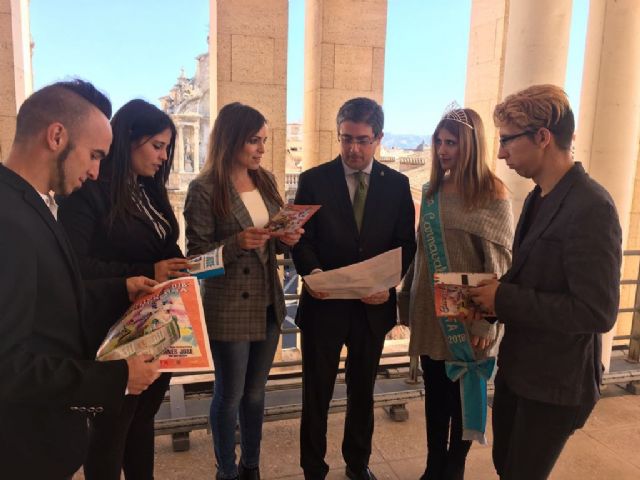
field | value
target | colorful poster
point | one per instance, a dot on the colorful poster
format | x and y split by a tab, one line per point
451	292
290	218
149	327
207	265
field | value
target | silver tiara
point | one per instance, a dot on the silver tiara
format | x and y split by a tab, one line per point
455	112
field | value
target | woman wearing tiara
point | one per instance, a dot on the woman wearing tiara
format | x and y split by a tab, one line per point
466	226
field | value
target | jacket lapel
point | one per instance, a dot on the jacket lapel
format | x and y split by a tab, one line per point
341	196
375	195
546	214
33	199
517	238
238	209
272	208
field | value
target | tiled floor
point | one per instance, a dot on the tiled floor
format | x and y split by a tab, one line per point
607	448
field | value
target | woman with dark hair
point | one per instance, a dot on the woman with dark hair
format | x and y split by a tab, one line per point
123	225
227	205
465	225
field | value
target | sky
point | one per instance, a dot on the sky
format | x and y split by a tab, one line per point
137	48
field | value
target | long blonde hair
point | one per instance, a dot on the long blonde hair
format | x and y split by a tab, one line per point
473	180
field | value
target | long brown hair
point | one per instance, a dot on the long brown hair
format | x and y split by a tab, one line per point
473	179
235	125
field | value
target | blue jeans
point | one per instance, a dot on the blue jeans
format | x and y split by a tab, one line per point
242	369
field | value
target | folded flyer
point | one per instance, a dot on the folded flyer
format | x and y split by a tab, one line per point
451	293
207	265
361	279
167	323
290	218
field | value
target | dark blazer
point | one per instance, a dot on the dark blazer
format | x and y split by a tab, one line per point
123	250
331	239
235	303
561	293
48	379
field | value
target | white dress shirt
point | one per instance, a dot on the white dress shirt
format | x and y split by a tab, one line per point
349	175
51	204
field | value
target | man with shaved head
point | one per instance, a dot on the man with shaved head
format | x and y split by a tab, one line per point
50	384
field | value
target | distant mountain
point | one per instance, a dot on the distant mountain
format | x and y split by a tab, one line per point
399	140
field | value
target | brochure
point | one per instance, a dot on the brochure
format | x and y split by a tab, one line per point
291	217
167	323
207	265
361	279
451	293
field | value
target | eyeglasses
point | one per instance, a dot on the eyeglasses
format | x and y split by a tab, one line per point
505	139
348	140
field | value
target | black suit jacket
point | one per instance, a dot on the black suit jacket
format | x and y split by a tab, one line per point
124	249
49	381
331	239
561	293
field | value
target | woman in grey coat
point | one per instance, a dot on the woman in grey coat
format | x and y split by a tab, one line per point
227	205
476	224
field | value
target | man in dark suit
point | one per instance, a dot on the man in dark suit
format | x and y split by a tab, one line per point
560	294
50	385
366	210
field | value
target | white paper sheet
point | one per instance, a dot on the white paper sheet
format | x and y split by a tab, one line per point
359	280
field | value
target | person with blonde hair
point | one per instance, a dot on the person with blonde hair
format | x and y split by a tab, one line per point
465	226
228	205
560	294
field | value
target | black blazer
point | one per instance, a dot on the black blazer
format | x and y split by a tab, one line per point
127	249
561	293
331	239
48	379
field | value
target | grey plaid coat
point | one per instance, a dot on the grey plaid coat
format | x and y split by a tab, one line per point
234	304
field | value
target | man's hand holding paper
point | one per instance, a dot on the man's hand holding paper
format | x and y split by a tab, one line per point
367	280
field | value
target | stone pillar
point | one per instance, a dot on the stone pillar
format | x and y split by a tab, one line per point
196	147
180	150
249	65
344	58
16	81
609	124
537	46
485	65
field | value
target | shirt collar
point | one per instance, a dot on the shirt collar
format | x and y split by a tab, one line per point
349	171
50	202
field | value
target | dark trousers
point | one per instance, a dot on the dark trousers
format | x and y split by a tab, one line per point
446	451
321	346
125	441
528	435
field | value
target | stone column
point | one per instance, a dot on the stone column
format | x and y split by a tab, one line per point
537	46
180	150
249	65
344	58
485	65
16	81
609	124
196	147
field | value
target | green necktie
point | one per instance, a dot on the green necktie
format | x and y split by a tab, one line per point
360	197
